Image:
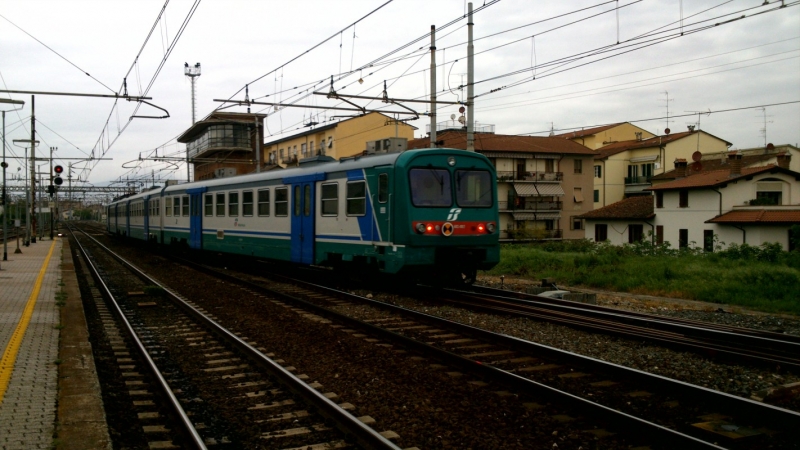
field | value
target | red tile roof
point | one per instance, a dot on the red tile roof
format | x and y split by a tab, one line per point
759	216
504	142
587	131
714	178
709	165
639	207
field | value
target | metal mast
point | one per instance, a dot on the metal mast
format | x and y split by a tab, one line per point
433	86
192	73
470	85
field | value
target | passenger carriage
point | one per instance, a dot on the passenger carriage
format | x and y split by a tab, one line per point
420	212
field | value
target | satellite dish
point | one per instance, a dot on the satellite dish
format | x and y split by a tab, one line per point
697	166
697	156
461	110
452	117
666	131
462	119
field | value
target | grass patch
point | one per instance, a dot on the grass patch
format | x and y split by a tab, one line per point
759	278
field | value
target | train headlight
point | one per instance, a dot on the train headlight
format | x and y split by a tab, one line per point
490	227
421	228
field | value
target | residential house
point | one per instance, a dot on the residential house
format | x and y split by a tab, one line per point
624	169
543	182
597	137
739	205
786	156
624	222
224	144
340	139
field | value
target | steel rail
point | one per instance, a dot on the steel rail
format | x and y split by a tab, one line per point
194	437
356	430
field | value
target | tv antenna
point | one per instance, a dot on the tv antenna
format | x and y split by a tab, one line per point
667	100
764	130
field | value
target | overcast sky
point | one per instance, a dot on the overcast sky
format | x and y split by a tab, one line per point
740	64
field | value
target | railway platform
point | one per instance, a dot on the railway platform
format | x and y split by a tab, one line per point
49	392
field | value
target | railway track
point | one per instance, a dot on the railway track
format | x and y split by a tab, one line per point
709	339
217	388
664	413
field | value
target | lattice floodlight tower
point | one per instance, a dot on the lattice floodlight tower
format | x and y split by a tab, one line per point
192	72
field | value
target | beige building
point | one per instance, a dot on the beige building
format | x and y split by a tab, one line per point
597	137
624	169
544	183
341	139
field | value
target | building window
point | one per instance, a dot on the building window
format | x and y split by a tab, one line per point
635	233
596	195
263	202
708	240
683	238
220	204
577	194
330	199
600	232
311	148
767	198
303	150
647	170
659	234
247	203
208	204
578	166
659	199
549	166
233	204
683	198
185	206
576	223
356	198
598	171
281	202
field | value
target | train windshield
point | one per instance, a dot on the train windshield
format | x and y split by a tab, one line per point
473	188
431	187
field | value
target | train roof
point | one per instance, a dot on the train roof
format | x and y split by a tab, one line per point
312	167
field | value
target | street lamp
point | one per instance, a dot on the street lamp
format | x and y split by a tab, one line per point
5	165
28	205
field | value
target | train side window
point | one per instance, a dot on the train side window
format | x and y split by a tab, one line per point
356	198
383	187
307	200
263	202
233	204
208	206
297	200
185	206
168	206
220	204
330	199
281	202
474	188
247	203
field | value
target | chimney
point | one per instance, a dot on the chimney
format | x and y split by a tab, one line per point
735	158
680	168
784	159
690	127
638	135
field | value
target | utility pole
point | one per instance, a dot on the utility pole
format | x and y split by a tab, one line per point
33	170
470	85
192	73
5	165
51	186
433	86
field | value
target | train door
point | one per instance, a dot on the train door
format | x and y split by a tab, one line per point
303	213
196	217
146	217
127	218
382	201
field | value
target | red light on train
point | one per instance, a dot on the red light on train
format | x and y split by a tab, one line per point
429	228
480	228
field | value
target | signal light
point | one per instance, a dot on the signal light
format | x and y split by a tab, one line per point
58	181
58	169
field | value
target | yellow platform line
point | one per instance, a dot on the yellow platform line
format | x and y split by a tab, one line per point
10	354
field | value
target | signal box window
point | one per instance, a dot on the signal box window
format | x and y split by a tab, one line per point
281	202
430	187
474	188
208	206
356	198
330	199
185	206
263	202
383	187
221	204
233	204
247	203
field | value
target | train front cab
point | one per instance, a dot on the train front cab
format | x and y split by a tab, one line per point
450	218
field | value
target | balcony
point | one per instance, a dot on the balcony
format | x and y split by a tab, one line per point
637	180
508	175
530	206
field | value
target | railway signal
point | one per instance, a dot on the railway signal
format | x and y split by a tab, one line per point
57	180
